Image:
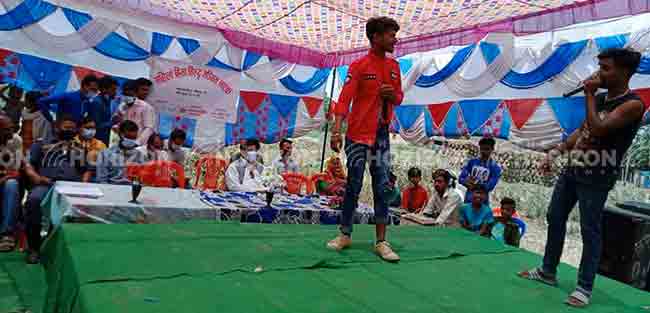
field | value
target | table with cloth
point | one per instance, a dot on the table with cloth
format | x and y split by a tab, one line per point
163	205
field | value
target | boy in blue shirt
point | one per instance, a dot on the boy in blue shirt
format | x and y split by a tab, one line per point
477	216
482	171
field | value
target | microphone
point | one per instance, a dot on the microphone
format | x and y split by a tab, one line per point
578	89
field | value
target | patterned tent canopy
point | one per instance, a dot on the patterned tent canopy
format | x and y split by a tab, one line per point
332	32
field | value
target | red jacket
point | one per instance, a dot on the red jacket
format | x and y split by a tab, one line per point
365	77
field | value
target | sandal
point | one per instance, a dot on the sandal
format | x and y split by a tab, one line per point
538	275
578	299
32	257
7	244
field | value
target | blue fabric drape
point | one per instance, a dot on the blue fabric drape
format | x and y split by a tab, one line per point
160	43
42	74
310	85
490	51
113	46
405	65
557	62
456	62
190	45
26	13
250	59
616	41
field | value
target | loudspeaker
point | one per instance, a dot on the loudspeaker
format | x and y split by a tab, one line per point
626	244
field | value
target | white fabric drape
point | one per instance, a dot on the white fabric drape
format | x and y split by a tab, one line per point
421	62
417	133
235	56
268	73
139	36
204	54
492	75
540	132
87	37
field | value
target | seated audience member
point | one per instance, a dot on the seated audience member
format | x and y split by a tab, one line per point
242	153
74	103
11	158
245	173
50	160
89	144
394	195
505	229
334	183
477	216
174	146
284	163
444	203
112	163
481	171
34	127
153	151
100	109
13	104
414	197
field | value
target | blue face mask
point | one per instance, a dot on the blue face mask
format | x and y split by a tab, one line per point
128	144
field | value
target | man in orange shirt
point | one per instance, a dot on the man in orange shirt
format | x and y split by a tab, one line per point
373	86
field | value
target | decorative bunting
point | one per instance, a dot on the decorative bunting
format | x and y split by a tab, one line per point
408	114
439	112
253	99
521	110
475	112
284	104
569	112
82	72
312	105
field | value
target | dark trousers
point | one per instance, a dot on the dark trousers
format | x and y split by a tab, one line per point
34	216
379	158
591	200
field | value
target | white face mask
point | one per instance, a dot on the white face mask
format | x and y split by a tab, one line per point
91	94
251	156
88	133
174	146
128	100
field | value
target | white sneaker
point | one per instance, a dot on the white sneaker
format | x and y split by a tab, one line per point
384	251
340	242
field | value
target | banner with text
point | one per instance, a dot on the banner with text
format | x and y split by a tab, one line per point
195	92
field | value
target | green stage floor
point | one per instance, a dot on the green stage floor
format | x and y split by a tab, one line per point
216	267
22	287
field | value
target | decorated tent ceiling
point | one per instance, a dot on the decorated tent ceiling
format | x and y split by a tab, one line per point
332	32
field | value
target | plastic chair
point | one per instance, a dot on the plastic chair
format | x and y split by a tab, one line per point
295	182
496	212
215	173
158	174
313	180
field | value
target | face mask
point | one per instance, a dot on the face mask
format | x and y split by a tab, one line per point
128	144
91	94
67	134
88	133
128	100
251	156
175	146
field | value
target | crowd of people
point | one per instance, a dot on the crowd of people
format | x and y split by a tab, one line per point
67	136
448	208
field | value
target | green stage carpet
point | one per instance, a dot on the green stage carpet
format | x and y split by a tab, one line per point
216	267
22	287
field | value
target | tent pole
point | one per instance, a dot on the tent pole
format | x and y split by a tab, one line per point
327	124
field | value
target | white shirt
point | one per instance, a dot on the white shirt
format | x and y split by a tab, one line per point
446	208
142	114
280	167
252	180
